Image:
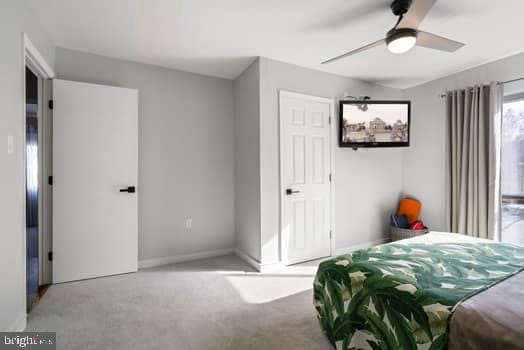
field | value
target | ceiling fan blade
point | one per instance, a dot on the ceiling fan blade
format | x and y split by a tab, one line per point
360	49
437	42
416	13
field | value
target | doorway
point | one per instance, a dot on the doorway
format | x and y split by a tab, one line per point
36	79
306	179
32	168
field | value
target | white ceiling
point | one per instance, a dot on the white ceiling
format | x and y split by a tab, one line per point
221	37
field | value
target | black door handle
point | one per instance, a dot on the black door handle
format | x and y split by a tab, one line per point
290	191
129	189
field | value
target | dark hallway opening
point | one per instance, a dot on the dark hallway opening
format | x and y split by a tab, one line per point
31	149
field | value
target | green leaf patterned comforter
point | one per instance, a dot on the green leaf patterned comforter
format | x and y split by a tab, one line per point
402	295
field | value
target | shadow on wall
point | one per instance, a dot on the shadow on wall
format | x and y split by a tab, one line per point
386	209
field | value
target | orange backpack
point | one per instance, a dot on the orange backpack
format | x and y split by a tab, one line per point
409	207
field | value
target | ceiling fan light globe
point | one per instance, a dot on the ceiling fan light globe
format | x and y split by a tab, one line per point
401	40
402	44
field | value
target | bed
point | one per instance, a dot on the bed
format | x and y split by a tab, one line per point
435	291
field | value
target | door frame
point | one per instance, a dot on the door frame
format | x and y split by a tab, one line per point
32	58
332	146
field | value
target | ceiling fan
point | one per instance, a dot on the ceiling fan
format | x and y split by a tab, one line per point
405	34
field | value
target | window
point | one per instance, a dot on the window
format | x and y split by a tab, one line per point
512	168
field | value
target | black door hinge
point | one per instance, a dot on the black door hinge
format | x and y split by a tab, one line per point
50	180
50	256
50	104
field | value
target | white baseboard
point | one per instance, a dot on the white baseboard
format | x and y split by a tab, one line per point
352	248
275	266
257	265
271	267
167	260
19	324
247	258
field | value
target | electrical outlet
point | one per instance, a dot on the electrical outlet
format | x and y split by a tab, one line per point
189	223
10	144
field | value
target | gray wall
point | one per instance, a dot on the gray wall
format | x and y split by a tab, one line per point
426	163
14	20
367	182
247	160
186	156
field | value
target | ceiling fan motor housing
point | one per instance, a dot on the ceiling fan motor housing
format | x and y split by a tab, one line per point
397	33
400	7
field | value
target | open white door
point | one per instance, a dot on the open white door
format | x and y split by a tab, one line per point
95	157
305	181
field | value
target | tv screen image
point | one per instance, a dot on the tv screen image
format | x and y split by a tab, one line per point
370	123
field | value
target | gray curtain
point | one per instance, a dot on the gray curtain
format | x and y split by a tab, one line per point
475	122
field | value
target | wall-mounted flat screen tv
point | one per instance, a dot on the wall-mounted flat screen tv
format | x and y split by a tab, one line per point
368	123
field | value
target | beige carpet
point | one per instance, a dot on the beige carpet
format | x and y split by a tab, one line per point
218	303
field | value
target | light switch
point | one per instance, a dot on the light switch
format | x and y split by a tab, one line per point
189	224
10	144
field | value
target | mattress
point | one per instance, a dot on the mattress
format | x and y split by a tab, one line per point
404	295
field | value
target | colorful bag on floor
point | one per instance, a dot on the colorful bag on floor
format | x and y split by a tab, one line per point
410	207
399	221
417	225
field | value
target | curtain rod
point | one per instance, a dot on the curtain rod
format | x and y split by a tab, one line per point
510	81
499	83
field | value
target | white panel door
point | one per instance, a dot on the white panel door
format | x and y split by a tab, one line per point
305	182
95	157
